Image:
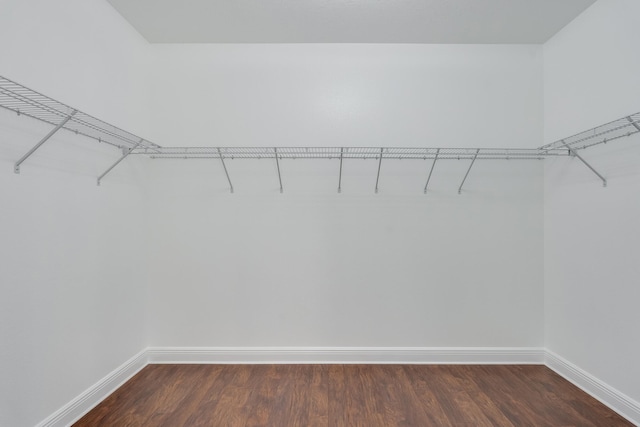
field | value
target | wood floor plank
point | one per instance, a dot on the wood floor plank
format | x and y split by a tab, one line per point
488	406
351	402
558	412
131	402
221	401
401	405
195	389
337	395
418	377
318	395
518	406
567	398
349	395
459	406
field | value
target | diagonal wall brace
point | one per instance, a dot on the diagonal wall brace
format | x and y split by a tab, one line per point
225	169
468	170
574	153
340	175
433	165
275	151
16	167
124	156
379	165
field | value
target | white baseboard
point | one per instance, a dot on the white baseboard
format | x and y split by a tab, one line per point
611	397
415	355
614	399
72	411
95	394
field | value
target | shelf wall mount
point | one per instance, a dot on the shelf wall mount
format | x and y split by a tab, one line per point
224	166
275	153
433	165
16	167
468	170
579	157
340	172
125	154
379	166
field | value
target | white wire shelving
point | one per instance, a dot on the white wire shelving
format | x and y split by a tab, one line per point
390	153
27	102
620	128
342	153
602	134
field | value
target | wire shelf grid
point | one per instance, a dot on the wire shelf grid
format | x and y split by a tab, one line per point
25	101
393	153
602	134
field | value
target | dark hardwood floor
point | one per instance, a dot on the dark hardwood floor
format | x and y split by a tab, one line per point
349	395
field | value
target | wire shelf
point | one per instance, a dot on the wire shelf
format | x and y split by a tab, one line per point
24	101
602	134
27	102
392	153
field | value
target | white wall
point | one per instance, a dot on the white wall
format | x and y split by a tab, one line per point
591	233
305	268
72	304
312	267
347	94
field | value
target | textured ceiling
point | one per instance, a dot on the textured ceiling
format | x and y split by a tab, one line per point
349	21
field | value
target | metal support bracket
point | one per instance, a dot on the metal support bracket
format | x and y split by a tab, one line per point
16	167
575	153
379	165
435	159
468	170
634	123
275	150
225	170
340	176
125	153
